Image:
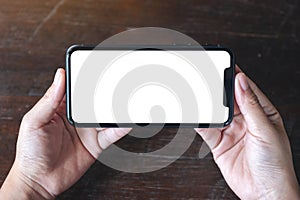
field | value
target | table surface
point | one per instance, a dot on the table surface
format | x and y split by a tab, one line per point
35	35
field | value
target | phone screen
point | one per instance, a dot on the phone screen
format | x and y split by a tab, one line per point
127	86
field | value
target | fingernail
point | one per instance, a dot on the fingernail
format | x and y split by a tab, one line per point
57	76
243	82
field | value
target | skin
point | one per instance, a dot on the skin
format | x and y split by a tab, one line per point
49	148
253	152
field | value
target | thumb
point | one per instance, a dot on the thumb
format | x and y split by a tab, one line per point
250	106
45	108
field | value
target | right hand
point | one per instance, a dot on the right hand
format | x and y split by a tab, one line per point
253	152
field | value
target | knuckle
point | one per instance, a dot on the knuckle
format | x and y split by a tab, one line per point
105	141
48	94
119	133
276	117
254	87
26	121
252	98
273	114
26	118
49	99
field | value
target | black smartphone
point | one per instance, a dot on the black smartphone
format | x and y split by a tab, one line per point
170	86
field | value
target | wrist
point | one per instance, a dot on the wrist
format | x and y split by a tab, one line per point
292	191
18	186
289	189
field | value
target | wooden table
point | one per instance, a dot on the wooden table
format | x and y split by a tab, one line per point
34	36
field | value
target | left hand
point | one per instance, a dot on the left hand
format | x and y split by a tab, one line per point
51	154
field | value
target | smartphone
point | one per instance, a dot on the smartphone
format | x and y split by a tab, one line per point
170	86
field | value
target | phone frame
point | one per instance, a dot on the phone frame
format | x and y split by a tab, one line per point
228	96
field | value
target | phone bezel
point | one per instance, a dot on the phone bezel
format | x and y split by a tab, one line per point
228	87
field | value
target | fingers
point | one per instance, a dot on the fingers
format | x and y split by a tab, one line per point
255	107
269	109
211	136
266	104
45	108
237	69
88	137
249	105
109	136
96	140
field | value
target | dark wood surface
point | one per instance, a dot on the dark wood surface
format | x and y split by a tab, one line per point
34	36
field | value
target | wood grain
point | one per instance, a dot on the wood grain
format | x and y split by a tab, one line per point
35	35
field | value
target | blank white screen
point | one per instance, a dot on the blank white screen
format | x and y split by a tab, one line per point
151	96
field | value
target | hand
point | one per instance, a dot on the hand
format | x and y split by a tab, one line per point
253	152
51	154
